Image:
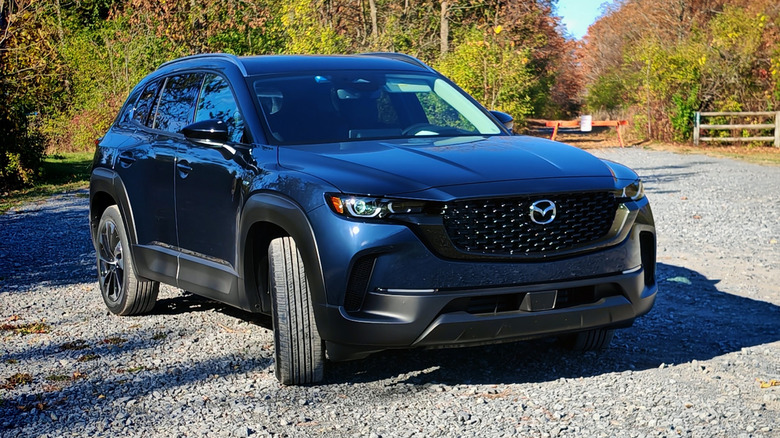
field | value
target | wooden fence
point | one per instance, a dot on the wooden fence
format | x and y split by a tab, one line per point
698	126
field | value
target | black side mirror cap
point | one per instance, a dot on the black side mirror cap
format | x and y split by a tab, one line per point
505	119
211	131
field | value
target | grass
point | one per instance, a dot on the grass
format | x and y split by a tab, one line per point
59	173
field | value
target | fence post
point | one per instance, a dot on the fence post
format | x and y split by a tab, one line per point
697	122
777	129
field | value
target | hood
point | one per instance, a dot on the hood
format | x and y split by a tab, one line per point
408	166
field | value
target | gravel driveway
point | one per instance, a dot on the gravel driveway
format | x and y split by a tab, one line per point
692	367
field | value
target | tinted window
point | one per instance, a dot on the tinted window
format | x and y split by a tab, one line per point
128	110
350	105
177	102
145	103
217	102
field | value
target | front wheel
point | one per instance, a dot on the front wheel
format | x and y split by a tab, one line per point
300	357
124	292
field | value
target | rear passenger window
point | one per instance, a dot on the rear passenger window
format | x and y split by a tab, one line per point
145	103
177	102
217	102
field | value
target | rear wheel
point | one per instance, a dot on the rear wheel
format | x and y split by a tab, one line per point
300	357
124	292
596	339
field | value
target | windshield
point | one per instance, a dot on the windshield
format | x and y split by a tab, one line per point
349	105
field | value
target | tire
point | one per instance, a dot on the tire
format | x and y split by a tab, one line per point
597	339
124	292
298	349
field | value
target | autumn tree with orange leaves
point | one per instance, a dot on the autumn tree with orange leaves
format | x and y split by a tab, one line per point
657	62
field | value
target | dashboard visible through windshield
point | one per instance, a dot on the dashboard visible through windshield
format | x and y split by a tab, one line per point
340	106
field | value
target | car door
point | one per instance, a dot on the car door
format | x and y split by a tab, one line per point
209	196
174	109
146	169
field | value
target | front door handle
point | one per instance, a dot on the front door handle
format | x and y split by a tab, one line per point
125	159
184	168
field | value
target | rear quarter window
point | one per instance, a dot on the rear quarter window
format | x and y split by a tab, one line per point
142	109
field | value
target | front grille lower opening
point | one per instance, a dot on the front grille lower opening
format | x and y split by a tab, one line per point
494	304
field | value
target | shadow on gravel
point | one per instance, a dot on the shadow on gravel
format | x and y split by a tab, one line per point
665	176
691	320
73	394
46	245
189	303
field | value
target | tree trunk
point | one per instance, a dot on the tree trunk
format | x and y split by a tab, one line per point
374	27
445	28
60	32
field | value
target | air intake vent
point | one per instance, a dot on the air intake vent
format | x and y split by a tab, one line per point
358	283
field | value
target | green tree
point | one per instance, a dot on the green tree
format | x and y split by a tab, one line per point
495	72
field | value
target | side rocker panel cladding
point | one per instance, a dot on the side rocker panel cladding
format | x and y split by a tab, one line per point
288	215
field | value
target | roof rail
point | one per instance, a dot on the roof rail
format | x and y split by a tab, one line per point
226	56
409	59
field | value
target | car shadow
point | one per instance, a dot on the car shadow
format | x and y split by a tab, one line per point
188	302
691	320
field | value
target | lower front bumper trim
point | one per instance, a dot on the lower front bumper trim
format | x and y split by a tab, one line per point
461	328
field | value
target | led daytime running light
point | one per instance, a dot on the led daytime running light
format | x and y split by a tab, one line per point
367	207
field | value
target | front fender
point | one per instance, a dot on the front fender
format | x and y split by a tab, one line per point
284	213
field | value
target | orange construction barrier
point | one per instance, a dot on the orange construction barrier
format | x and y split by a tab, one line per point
555	124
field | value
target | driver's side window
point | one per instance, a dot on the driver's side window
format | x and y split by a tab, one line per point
216	101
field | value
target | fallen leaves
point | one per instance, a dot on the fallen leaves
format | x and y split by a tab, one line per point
28	328
15	380
74	345
114	340
769	384
87	357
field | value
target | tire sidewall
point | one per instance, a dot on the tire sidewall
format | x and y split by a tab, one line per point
112	215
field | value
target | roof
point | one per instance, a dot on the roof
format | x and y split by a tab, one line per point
268	64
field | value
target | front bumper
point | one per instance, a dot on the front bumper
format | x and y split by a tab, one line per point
408	297
460	318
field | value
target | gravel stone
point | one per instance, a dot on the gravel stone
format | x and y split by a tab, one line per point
194	367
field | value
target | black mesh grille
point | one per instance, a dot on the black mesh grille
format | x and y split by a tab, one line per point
504	227
358	282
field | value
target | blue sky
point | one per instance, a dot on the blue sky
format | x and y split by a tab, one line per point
577	15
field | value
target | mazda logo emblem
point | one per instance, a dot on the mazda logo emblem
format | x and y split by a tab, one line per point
542	212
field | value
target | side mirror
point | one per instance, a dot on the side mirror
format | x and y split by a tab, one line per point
505	119
212	132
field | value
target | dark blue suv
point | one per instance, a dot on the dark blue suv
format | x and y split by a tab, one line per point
366	203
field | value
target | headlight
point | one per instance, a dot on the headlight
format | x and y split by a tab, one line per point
367	207
634	191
